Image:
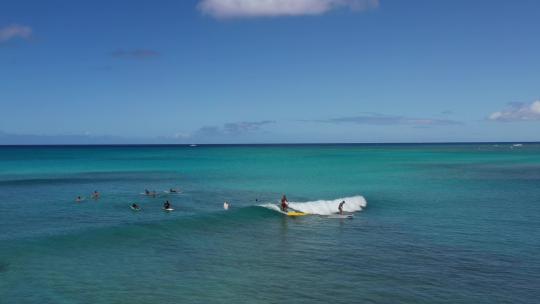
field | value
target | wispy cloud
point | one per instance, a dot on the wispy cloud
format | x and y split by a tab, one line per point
228	129
245	126
211	134
381	119
518	111
135	54
15	31
274	8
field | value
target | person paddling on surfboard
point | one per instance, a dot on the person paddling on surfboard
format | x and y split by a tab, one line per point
135	206
167	205
284	203
340	207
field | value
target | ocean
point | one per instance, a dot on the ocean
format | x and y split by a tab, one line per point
433	223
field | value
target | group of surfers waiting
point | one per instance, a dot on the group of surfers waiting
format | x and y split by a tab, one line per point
95	195
166	206
153	193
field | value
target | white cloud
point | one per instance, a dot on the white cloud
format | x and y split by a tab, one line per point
273	8
518	112
15	31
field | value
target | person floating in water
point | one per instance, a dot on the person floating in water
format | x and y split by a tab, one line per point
95	195
172	190
167	205
226	206
340	207
79	199
134	206
284	203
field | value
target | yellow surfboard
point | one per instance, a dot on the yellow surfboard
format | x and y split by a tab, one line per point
296	213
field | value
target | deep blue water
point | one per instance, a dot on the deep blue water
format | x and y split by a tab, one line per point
443	223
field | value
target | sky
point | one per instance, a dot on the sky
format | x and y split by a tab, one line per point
269	71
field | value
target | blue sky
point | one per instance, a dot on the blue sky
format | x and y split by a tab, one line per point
253	71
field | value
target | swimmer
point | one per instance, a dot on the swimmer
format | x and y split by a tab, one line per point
95	195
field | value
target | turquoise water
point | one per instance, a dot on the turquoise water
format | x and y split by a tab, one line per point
443	224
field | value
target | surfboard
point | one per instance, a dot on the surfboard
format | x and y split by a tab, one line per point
296	213
169	192
135	209
168	209
340	216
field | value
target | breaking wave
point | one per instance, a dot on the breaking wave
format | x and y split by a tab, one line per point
325	207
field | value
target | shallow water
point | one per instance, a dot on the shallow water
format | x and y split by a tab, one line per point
443	224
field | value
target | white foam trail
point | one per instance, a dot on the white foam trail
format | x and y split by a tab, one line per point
325	207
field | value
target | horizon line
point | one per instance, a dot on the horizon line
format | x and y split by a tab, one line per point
274	144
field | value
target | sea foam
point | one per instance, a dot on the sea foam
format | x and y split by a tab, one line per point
325	207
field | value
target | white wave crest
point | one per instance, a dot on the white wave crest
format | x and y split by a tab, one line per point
325	207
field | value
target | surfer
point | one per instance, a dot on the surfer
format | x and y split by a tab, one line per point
79	199
172	190
226	206
167	205
135	206
340	207
95	195
146	192
284	203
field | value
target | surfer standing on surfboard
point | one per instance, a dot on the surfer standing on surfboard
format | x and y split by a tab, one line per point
284	203
167	205
340	207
